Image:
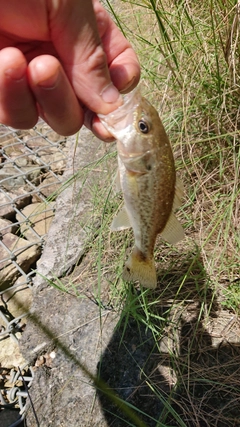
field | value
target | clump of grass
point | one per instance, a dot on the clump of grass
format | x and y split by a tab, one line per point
232	297
189	54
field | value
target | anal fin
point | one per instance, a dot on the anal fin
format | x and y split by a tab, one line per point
173	231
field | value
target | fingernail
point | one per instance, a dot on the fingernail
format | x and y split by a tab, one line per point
110	94
16	73
49	83
129	86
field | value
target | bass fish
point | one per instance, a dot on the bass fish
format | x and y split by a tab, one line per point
148	181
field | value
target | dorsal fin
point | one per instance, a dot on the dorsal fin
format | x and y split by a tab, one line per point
116	183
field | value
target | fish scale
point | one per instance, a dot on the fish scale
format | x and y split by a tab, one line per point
148	182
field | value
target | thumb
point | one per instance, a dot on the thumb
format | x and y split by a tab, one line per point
74	33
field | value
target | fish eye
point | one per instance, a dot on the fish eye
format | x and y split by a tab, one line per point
143	126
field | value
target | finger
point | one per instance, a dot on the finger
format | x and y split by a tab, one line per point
17	105
122	61
54	93
75	35
92	122
125	71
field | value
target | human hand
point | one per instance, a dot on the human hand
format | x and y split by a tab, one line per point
63	60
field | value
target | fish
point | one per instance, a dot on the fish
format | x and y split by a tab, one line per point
147	178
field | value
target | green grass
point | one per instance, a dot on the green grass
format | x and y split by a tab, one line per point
232	298
189	53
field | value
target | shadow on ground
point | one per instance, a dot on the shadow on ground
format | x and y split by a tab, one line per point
182	378
176	362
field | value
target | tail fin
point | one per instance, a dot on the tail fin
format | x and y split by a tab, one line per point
140	268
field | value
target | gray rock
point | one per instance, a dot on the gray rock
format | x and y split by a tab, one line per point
48	133
34	141
15	150
53	157
37	217
66	238
22	161
63	391
6	136
10	354
18	198
25	255
18	299
49	187
10	177
18	302
7	226
75	321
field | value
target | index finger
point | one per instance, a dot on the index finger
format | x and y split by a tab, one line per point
74	32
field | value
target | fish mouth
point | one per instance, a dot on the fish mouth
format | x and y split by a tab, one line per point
123	116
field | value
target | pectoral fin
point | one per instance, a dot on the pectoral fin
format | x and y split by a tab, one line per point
116	182
121	221
173	231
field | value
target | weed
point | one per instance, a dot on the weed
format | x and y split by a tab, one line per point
232	297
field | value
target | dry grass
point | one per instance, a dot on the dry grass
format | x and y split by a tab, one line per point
190	70
189	53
